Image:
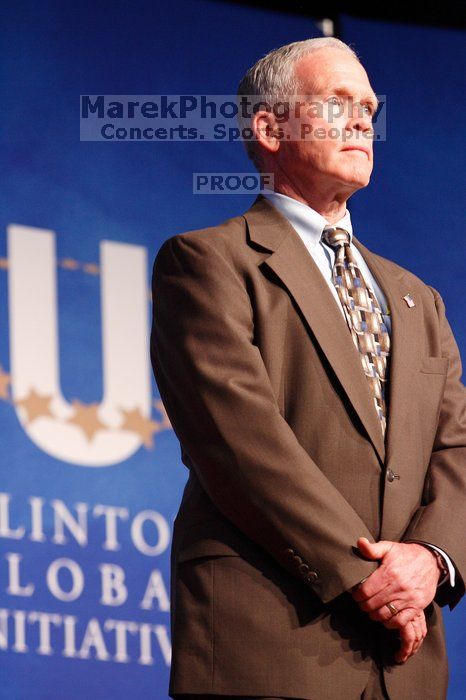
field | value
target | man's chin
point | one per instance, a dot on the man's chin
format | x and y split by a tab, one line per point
357	181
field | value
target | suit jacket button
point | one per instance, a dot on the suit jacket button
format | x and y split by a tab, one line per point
303	569
312	576
391	476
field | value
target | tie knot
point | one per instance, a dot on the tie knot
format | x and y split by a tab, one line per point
335	236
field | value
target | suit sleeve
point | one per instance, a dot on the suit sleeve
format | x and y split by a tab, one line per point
441	520
218	396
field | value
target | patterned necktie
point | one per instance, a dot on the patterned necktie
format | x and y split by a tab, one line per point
363	315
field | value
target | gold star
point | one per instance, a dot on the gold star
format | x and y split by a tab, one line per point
86	418
69	264
91	268
36	405
165	422
5	381
137	423
3	263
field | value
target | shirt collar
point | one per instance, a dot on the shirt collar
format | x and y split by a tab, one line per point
305	220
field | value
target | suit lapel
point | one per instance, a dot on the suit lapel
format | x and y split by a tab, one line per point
405	348
291	262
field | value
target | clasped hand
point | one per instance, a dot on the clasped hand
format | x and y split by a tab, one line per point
407	578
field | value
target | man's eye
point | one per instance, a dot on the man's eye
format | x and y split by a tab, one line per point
334	100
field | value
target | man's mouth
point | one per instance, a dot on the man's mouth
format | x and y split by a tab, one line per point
358	149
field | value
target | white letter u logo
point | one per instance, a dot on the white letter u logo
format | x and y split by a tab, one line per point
95	435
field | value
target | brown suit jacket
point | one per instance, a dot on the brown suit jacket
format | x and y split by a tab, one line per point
287	465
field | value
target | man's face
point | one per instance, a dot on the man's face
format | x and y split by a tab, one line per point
334	144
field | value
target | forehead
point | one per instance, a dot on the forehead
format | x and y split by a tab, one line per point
329	67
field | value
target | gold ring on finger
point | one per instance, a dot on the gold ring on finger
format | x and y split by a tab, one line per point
392	609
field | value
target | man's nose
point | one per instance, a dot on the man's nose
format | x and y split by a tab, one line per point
358	117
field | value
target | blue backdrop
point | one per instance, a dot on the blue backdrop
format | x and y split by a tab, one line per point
90	469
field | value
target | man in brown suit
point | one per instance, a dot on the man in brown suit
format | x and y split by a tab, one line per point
319	533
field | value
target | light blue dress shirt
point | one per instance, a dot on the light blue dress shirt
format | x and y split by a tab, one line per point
309	225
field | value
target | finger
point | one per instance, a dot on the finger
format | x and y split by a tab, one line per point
383	614
412	637
401	619
419	638
419	626
424	626
394	592
357	585
406	644
375	583
407	636
374	550
381	599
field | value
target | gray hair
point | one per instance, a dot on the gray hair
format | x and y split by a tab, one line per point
274	76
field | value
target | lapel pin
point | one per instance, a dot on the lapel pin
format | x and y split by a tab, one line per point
409	300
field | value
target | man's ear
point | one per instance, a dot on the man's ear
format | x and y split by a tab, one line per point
266	130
